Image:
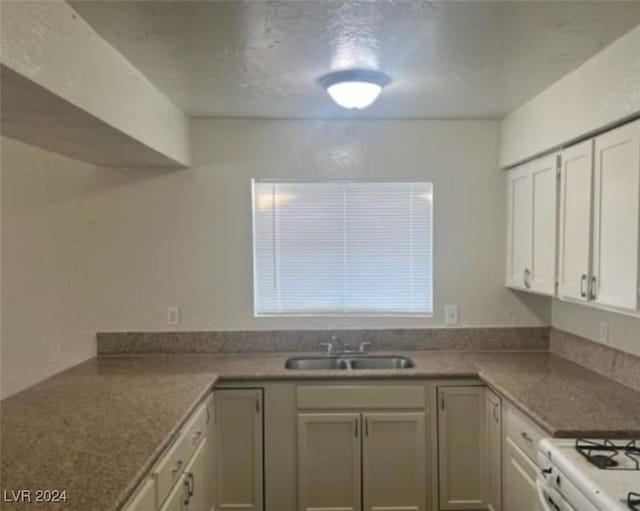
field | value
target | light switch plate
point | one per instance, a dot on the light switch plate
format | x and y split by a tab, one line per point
451	314
173	315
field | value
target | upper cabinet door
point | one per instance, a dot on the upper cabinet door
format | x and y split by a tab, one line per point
519	228
575	221
394	462
615	229
329	468
544	194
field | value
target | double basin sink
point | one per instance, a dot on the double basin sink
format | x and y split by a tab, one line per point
350	362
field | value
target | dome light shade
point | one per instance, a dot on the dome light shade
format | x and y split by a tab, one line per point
354	89
354	95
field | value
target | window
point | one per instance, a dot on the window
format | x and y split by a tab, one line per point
342	248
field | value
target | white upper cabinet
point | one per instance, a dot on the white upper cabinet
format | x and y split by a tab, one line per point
544	186
575	221
531	249
598	221
615	212
519	228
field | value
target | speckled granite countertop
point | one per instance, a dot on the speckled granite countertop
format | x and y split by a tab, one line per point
96	429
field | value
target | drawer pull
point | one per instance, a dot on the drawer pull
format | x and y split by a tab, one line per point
178	466
191	484
187	497
526	436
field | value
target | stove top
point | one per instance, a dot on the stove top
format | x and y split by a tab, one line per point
606	472
610	455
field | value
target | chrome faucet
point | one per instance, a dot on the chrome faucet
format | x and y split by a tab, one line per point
338	346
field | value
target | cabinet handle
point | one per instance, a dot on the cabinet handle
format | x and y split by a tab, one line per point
187	497
527	274
441	401
495	413
196	436
583	280
191	484
366	427
178	466
526	436
356	428
592	290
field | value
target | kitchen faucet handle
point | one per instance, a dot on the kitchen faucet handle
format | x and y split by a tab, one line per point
363	346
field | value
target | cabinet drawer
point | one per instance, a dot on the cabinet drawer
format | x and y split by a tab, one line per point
169	469
144	499
339	397
523	432
178	497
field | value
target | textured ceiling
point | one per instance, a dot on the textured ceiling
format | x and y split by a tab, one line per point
453	59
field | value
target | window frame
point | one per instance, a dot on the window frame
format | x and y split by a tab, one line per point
320	314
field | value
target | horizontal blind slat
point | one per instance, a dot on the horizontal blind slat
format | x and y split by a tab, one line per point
343	247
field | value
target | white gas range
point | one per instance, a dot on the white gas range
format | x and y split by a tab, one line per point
588	475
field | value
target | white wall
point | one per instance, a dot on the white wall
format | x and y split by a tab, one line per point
48	232
184	238
51	45
87	249
602	91
623	330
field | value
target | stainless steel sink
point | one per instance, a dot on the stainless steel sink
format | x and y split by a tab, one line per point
350	362
381	362
316	363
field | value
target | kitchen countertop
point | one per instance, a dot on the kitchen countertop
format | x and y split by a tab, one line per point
97	428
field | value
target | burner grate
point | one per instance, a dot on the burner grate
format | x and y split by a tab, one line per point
633	501
603	453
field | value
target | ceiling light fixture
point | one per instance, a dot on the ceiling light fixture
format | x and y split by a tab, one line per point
354	89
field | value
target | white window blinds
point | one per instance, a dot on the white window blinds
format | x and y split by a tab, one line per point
343	248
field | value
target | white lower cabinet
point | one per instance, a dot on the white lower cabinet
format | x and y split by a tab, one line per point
519	480
329	453
181	479
462	447
178	496
238	452
353	461
144	499
196	480
394	462
494	451
520	444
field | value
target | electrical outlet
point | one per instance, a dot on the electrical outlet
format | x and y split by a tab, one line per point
451	314
604	332
173	315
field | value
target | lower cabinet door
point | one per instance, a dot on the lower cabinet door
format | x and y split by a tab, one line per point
196	479
462	447
519	485
329	449
394	461
238	449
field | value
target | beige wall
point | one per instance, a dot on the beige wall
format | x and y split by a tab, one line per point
623	330
48	230
87	249
600	92
184	238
